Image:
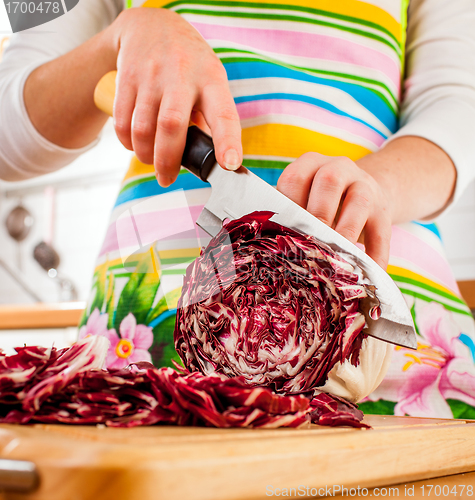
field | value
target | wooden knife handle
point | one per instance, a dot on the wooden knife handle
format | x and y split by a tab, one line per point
104	93
198	156
18	476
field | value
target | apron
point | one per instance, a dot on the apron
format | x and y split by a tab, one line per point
306	75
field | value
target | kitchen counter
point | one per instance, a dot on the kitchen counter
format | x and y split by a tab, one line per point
163	462
25	316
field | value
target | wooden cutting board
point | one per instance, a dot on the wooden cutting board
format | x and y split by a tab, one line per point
97	463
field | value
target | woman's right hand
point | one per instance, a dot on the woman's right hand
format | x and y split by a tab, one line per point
168	74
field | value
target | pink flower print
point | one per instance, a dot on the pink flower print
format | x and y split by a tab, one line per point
441	368
96	325
132	345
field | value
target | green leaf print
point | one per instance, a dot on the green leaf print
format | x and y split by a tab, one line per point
164	304
380	407
163	347
100	287
461	409
83	319
110	301
138	294
413	314
159	308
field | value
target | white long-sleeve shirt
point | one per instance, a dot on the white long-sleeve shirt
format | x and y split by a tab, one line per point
439	89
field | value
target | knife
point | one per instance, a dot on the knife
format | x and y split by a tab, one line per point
241	192
18	476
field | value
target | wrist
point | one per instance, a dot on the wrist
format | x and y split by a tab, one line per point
107	44
416	175
375	165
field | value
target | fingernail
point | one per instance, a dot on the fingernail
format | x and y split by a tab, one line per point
231	159
164	180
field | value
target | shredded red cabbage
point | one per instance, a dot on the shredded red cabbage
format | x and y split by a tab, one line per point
265	314
327	409
38	385
140	395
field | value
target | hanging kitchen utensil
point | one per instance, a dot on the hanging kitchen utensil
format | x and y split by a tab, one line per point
44	253
19	223
46	256
49	260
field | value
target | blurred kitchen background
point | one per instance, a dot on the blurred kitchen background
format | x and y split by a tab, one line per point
67	212
64	216
54	223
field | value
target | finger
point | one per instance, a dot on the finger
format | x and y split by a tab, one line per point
377	238
355	211
172	126
144	124
198	119
219	110
326	193
124	104
296	180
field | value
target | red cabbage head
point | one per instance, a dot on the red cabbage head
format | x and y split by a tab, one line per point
280	309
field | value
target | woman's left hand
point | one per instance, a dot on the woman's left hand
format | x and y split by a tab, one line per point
343	196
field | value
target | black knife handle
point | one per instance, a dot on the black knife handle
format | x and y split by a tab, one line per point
198	156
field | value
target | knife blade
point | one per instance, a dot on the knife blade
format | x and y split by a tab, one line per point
241	192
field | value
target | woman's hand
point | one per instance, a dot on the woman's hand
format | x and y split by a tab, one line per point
167	74
343	196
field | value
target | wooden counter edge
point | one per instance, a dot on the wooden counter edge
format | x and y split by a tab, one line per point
467	290
25	316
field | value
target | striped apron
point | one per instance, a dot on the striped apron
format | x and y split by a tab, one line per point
306	75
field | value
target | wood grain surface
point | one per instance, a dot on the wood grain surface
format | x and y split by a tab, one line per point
467	289
161	462
457	486
52	315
